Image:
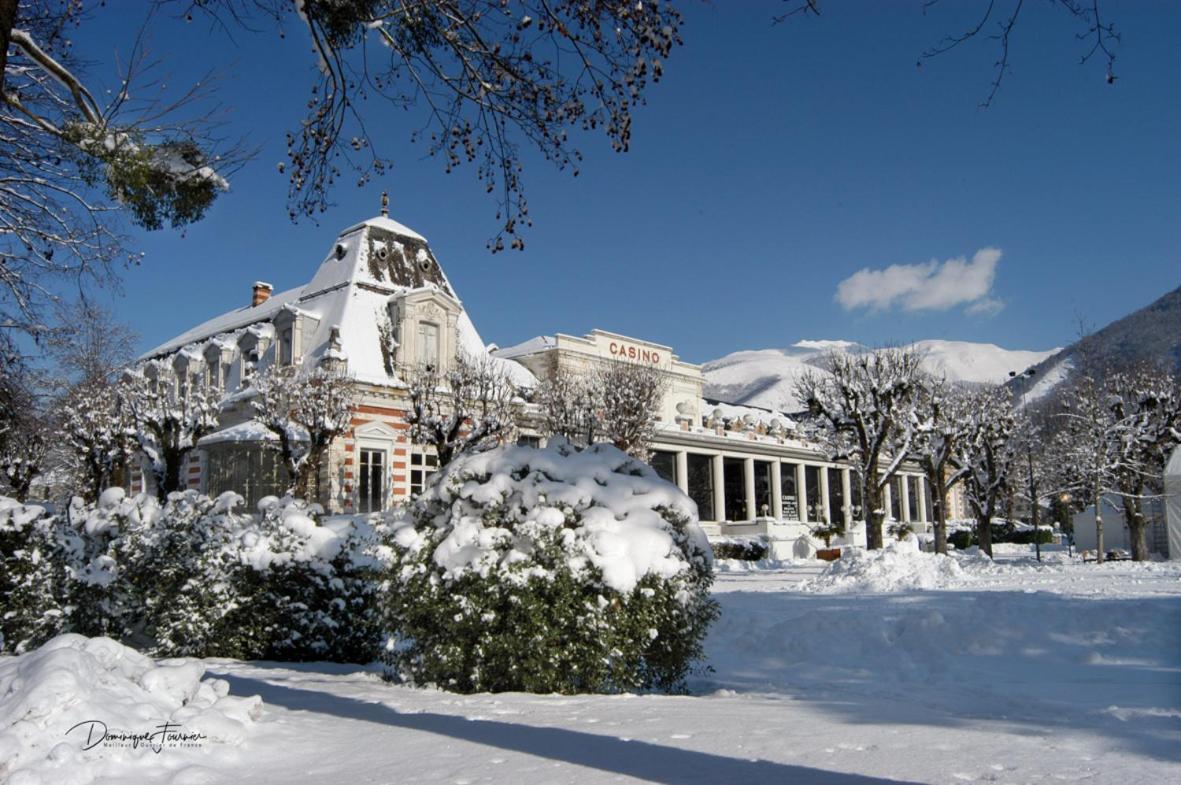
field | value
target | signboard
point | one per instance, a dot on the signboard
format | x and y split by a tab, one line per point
791	508
617	348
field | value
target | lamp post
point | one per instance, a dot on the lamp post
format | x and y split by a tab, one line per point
1065	499
1037	534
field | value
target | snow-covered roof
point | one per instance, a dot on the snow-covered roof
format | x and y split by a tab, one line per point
525	348
768	418
368	263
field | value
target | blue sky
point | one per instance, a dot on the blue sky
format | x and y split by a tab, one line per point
771	164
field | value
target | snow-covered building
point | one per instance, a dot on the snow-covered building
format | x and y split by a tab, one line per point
380	301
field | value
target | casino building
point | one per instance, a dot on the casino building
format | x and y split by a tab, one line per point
380	301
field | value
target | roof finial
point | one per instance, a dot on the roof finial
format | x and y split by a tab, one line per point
385	205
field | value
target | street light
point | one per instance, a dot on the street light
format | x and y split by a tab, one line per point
1065	498
1037	533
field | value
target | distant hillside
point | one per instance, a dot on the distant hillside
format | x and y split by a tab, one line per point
1151	334
766	377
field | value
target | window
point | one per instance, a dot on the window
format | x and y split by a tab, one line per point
428	344
812	490
856	511
734	474
789	493
762	488
929	497
912	491
665	464
371	482
423	465
286	346
252	471
701	484
896	498
529	441
836	496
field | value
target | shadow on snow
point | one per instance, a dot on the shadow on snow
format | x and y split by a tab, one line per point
639	759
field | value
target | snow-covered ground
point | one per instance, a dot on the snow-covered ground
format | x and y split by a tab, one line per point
1011	672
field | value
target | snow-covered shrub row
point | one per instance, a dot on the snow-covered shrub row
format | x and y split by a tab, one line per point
72	679
193	577
549	570
740	548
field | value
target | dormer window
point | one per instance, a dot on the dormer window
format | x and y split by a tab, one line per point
428	344
286	338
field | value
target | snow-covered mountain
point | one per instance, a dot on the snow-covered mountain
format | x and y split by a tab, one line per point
1150	335
766	377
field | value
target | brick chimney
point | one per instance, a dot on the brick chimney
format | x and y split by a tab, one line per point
262	293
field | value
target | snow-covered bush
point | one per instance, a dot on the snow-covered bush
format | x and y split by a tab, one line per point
283	586
740	548
549	570
30	613
194	577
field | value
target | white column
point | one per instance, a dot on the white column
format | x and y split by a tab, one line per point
719	489
921	495
904	502
748	475
801	492
823	494
847	497
777	490
887	500
683	472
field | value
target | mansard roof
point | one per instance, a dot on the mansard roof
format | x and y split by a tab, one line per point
367	264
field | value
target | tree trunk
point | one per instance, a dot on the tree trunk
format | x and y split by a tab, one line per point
874	516
984	533
1137	529
940	518
7	22
1098	525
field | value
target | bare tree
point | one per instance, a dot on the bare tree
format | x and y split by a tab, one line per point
987	453
570	404
941	423
89	345
1115	442
487	75
1148	401
73	168
168	415
468	407
996	21
306	411
861	405
631	394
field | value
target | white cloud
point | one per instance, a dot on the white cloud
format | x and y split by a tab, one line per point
989	306
931	286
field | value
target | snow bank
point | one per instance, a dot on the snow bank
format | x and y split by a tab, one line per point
900	565
620	506
55	702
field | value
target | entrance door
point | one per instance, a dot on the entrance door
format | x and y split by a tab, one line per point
371	484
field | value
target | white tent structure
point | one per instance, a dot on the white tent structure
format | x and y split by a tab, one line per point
1173	504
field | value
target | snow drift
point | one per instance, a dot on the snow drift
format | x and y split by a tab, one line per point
898	566
56	701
